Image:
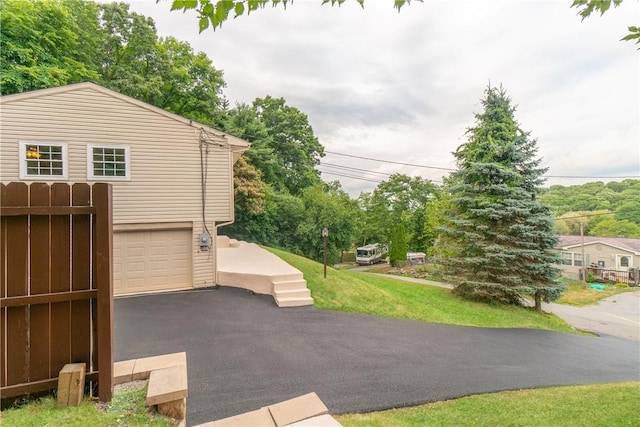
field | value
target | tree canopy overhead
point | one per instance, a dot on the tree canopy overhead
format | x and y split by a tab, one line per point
498	236
212	13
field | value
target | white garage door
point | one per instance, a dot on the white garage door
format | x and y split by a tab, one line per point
146	261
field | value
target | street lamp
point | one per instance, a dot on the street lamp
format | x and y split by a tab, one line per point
325	234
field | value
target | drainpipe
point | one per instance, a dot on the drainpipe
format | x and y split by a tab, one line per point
233	219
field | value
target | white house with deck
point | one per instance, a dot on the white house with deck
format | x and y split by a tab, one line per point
618	258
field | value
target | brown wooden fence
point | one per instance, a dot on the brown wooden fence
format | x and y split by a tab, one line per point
56	295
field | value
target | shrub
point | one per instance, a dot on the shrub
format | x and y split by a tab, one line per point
398	250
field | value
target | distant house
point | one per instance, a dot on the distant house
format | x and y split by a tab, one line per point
610	253
172	177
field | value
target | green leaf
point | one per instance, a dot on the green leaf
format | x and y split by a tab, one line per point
204	23
186	4
634	34
207	10
239	8
222	10
177	4
192	4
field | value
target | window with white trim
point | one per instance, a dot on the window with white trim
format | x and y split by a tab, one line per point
106	162
43	160
573	258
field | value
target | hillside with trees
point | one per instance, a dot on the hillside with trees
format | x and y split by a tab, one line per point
608	210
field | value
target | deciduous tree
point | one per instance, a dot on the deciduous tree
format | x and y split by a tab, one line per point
295	150
399	199
46	44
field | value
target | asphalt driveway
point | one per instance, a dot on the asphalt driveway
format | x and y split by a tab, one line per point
243	353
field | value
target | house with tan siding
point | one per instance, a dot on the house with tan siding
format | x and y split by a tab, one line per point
601	254
172	177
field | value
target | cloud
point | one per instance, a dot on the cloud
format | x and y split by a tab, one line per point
405	86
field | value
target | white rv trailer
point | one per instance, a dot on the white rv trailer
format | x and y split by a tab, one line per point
370	254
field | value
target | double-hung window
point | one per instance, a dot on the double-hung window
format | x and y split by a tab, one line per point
574	258
43	160
108	162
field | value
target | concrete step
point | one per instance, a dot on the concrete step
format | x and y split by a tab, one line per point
292	293
294	302
288	285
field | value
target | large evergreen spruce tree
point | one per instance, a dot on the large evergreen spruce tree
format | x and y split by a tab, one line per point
497	234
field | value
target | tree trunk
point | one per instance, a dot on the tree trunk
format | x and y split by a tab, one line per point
538	298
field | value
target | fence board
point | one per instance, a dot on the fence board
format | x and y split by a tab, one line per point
60	279
39	267
3	286
81	276
17	361
103	244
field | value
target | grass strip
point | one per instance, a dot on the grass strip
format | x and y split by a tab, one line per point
127	408
579	297
596	405
359	292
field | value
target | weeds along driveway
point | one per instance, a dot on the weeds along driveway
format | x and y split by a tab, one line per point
244	353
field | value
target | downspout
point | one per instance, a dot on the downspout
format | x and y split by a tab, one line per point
222	224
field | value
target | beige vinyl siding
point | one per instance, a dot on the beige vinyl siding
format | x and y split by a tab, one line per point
165	179
203	261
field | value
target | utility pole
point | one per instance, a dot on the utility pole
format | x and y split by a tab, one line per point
584	262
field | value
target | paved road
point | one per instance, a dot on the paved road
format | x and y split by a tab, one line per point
618	316
243	353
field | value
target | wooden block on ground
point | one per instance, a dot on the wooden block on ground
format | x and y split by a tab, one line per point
325	420
71	384
123	371
176	409
144	366
258	418
297	409
166	385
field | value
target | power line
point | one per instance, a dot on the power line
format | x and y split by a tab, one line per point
350	176
389	161
449	169
343	171
350	168
584	216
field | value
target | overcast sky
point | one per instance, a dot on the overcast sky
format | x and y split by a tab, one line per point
404	87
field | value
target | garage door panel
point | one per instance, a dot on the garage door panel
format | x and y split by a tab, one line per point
146	261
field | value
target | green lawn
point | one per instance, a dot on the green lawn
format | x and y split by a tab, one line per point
127	408
577	296
358	292
605	405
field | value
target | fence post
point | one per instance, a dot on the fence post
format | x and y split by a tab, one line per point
103	241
